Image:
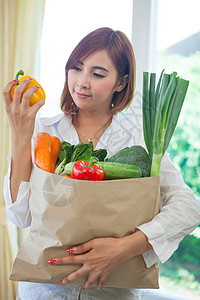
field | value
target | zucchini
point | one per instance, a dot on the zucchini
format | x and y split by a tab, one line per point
113	170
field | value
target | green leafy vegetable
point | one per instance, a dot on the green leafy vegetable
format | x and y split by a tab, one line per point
60	167
65	152
82	150
100	154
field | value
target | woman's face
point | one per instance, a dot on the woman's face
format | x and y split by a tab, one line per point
93	81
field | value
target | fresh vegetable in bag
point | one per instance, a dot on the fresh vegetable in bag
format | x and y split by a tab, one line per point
161	110
135	155
85	170
46	149
111	170
81	151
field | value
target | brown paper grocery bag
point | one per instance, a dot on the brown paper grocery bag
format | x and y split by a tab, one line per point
67	212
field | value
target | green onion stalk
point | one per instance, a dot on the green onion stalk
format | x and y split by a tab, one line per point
161	109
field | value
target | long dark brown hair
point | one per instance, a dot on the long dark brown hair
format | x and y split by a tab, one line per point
121	53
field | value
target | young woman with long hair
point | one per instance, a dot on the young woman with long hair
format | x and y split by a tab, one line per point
99	84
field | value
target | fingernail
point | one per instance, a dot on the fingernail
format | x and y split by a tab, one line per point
51	262
30	78
72	249
37	86
83	288
15	80
64	281
99	287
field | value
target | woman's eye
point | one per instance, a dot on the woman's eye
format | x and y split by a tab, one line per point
98	75
77	69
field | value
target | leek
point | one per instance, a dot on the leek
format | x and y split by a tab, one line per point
161	109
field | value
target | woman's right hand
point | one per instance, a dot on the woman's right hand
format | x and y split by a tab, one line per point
21	115
22	121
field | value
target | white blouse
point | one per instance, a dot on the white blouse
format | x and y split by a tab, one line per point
179	214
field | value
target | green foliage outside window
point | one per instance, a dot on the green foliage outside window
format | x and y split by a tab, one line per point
184	147
181	273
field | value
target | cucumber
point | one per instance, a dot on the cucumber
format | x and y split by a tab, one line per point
113	170
119	171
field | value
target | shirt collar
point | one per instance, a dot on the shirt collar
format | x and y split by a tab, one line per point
111	136
112	133
65	125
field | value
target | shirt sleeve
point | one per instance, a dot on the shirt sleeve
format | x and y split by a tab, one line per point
18	212
179	215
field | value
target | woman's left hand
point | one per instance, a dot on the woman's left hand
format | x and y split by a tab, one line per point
99	257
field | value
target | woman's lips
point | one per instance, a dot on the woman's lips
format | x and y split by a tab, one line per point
82	95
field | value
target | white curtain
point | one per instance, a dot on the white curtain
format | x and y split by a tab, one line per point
20	32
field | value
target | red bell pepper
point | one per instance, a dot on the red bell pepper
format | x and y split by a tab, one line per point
85	170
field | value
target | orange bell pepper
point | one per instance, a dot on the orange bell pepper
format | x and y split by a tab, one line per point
38	95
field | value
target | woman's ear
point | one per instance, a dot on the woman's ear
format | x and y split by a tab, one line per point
122	82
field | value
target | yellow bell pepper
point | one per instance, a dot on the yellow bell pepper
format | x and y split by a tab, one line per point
38	95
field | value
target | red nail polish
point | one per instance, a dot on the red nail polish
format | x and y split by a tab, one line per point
51	262
70	250
83	288
37	86
61	283
15	80
30	78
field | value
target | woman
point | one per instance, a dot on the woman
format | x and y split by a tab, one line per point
100	80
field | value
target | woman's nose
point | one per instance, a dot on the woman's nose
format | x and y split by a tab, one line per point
83	82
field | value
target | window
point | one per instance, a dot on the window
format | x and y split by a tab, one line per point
178	46
65	24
